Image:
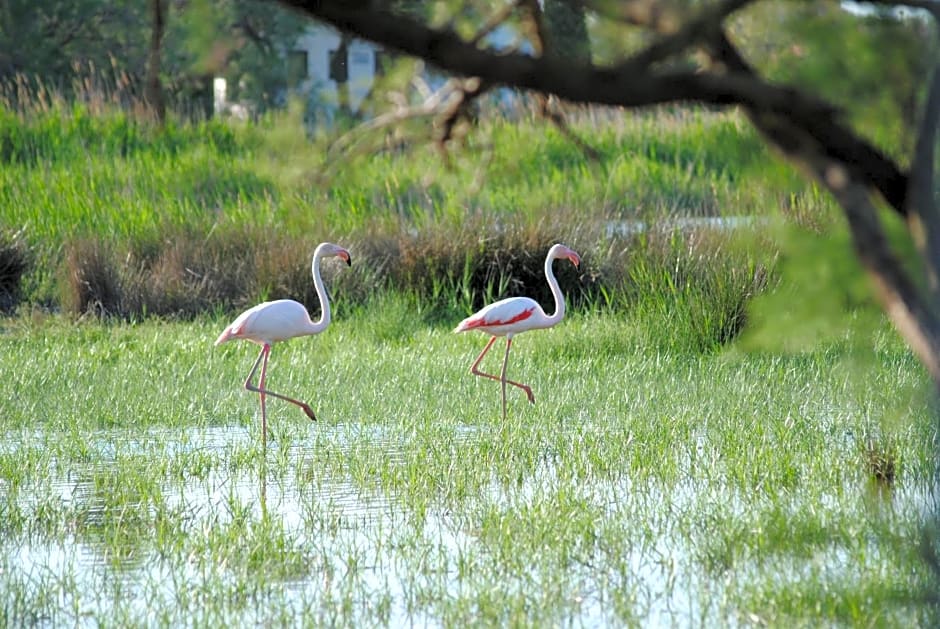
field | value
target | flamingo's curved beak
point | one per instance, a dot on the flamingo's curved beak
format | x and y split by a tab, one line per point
344	255
575	258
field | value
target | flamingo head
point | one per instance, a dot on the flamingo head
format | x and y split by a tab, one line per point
561	251
328	249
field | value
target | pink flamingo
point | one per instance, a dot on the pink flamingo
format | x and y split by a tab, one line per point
511	316
273	321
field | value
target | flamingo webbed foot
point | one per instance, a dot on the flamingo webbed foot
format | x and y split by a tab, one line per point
308	411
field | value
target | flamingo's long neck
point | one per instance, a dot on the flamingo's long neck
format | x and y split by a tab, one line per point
556	293
324	319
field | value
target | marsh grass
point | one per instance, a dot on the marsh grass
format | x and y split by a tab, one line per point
120	218
645	486
700	279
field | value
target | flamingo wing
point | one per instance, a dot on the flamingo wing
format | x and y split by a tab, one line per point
515	314
268	322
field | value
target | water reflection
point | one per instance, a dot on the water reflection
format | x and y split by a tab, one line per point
263	487
323	531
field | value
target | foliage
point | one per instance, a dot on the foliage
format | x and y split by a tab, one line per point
67	45
48	38
810	306
873	66
566	26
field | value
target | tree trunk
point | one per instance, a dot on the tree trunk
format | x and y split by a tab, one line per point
153	88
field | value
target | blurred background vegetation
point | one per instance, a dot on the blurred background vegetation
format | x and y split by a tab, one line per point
105	209
871	63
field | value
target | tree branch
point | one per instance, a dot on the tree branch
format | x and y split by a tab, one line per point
575	82
923	218
435	104
468	91
910	312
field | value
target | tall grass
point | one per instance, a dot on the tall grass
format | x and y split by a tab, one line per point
125	219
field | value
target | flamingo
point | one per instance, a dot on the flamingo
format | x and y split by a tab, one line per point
280	320
514	315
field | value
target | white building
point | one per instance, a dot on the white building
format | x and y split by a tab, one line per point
317	67
320	72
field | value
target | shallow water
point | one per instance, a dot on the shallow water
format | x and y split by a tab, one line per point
361	554
351	527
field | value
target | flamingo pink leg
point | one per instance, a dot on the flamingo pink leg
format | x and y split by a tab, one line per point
265	350
502	377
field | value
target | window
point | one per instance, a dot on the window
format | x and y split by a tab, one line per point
339	64
296	67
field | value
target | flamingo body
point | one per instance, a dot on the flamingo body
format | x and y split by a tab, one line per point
505	317
508	317
275	321
270	322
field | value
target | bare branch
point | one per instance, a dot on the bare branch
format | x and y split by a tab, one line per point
549	109
458	108
433	105
913	316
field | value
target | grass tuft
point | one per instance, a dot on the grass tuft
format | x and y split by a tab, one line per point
14	263
881	461
93	283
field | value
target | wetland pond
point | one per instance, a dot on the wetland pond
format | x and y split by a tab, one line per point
200	526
